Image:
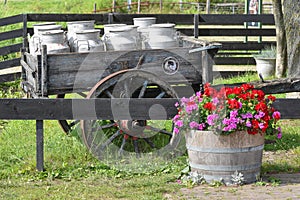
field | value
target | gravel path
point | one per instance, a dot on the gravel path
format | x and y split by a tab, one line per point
288	189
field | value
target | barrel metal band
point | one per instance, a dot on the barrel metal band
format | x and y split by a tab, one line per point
224	150
225	168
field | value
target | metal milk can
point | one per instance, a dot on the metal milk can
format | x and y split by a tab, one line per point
76	26
88	40
35	40
162	36
120	38
55	41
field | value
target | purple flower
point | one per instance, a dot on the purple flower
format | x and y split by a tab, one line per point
176	104
233	113
176	130
247	115
211	118
248	124
279	134
193	124
226	121
240	105
176	117
215	100
179	123
201	126
259	115
198	94
261	125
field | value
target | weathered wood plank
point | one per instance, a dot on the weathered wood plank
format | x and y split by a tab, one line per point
82	71
99	18
11	34
187	19
10	77
234	61
10	63
10	49
60	109
245	46
229	32
11	20
236	19
85	108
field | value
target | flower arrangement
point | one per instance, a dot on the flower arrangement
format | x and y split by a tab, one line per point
228	110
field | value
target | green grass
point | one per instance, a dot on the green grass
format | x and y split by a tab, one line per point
71	172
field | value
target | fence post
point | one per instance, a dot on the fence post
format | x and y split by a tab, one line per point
196	25
95	8
39	145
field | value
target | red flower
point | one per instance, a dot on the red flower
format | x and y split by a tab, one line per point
255	124
261	106
247	87
276	115
209	106
233	104
252	131
271	98
259	94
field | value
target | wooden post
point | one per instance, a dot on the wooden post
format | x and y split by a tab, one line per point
207	6
139	6
196	25
39	145
114	6
95	8
44	69
160	5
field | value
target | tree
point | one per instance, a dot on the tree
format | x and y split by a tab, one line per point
281	57
292	28
287	23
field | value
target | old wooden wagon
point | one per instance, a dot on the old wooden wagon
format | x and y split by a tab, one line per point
152	74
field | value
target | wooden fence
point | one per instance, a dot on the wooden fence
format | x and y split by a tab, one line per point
211	25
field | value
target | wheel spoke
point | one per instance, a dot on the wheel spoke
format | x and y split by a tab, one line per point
82	94
160	95
136	147
114	124
151	144
109	140
120	152
158	130
109	94
74	123
142	92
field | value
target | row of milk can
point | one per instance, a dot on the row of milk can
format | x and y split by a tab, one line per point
82	37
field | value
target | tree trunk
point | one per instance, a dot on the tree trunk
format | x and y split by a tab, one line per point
281	57
292	26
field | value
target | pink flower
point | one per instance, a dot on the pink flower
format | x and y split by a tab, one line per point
176	104
176	130
279	134
193	124
276	115
201	126
211	118
179	123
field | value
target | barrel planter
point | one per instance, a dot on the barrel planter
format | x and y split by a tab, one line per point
218	157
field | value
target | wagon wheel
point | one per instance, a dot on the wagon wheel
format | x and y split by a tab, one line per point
115	138
69	125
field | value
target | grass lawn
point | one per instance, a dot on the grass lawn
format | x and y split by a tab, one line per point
72	173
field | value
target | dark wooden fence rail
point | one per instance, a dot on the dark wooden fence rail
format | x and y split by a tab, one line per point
9	53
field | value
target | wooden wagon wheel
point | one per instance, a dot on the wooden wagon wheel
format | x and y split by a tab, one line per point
69	126
117	137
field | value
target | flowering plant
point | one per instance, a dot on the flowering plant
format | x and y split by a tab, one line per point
228	110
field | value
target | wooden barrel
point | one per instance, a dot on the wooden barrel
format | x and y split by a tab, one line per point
218	157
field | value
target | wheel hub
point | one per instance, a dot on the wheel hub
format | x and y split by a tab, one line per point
132	127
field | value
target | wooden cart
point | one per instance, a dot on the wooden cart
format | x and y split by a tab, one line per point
153	73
